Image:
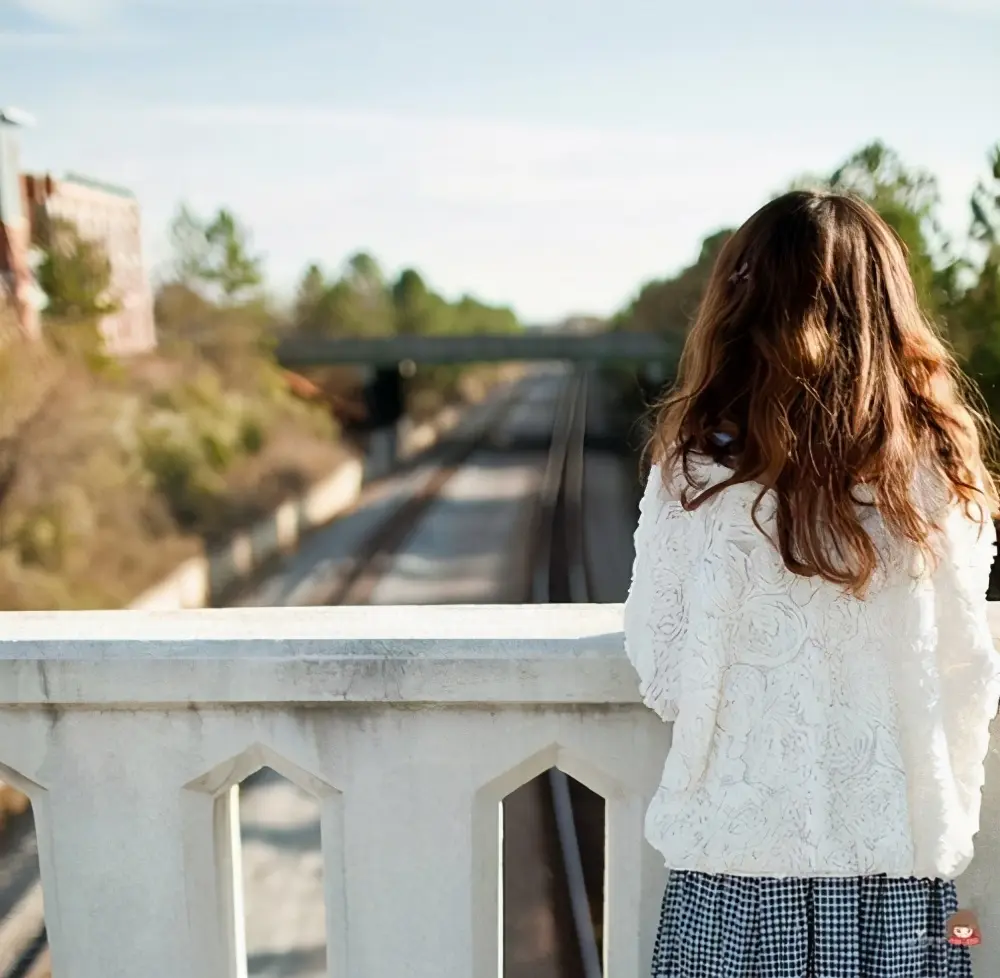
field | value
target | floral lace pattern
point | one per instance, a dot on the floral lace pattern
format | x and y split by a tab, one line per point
814	734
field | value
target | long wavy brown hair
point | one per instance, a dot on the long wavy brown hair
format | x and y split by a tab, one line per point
811	352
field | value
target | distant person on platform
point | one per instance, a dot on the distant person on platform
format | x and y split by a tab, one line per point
808	608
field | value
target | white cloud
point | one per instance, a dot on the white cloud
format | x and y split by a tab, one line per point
67	39
70	13
549	215
990	8
89	13
464	159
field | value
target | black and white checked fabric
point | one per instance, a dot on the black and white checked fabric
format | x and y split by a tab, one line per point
717	926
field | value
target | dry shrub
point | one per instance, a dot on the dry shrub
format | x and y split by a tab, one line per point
81	525
109	479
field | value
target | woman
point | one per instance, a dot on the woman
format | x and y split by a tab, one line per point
808	609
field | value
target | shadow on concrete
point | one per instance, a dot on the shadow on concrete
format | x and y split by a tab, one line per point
304	837
287	963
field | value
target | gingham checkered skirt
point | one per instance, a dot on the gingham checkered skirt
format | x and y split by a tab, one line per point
858	927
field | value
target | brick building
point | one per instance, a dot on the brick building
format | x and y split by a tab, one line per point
108	216
16	280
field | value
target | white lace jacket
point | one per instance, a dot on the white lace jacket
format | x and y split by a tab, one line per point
814	734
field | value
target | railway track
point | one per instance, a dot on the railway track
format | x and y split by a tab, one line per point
568	818
551	816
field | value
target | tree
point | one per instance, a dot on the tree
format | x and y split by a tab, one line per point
409	289
190	247
958	287
472	316
978	308
357	304
235	270
353	305
215	254
74	274
417	309
361	303
364	275
353	312
310	297
985	205
669	305
908	199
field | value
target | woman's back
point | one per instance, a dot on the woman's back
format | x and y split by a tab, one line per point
808	608
815	733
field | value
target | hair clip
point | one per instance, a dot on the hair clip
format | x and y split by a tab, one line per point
741	274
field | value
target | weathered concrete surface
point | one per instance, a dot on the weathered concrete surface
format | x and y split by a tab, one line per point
133	840
125	797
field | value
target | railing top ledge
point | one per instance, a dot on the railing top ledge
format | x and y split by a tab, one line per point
429	630
462	654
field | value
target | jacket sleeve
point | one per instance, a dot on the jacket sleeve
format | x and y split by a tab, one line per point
967	654
657	608
966	666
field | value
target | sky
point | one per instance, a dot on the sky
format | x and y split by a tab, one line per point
547	154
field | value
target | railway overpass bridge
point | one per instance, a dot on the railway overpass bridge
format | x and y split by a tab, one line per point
647	349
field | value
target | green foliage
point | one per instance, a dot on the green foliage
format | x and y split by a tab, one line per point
364	275
215	254
27	373
110	477
473	316
361	303
190	247
985	205
75	275
196	433
252	435
669	304
180	472
309	299
234	394
418	311
46	533
908	200
235	340
354	311
131	467
958	284
356	304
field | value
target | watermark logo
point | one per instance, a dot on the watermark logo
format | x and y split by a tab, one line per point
963	929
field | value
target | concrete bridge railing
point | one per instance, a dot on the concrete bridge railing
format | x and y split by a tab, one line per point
129	731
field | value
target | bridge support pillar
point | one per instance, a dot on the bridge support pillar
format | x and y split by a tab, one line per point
383	452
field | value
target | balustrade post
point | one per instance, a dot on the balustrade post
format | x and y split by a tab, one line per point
110	848
408	863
